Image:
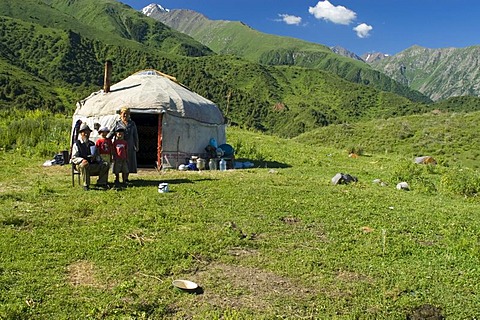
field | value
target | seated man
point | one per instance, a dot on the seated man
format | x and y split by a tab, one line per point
86	162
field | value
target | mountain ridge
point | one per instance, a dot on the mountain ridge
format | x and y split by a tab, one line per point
439	73
457	79
371	57
236	38
284	100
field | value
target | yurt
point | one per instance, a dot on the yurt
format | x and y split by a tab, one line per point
173	123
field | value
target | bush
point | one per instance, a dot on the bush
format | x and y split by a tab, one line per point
461	181
247	151
358	150
34	132
420	177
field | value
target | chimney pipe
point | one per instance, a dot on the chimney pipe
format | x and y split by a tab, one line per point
108	76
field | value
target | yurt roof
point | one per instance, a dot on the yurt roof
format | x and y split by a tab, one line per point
150	91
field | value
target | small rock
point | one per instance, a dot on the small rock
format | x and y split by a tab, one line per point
425	160
403	186
336	179
379	182
341	178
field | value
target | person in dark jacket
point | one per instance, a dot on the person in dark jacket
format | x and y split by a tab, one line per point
87	160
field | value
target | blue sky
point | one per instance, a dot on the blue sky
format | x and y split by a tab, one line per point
361	26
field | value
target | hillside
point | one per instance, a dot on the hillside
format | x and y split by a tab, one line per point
108	21
291	100
437	73
282	100
447	136
22	89
233	37
52	52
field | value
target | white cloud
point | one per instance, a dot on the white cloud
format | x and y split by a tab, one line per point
289	19
336	14
363	30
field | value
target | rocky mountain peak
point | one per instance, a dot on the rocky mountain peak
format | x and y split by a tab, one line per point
374	56
154	8
344	52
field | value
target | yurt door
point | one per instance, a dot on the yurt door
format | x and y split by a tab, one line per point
148	135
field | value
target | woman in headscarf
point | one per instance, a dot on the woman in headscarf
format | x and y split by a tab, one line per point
131	136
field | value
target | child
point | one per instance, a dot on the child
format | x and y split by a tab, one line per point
120	157
105	146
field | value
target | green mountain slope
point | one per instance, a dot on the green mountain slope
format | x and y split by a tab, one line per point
438	73
68	63
230	37
447	136
292	100
106	20
19	88
64	60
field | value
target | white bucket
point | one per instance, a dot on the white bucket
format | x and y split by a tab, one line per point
163	187
200	164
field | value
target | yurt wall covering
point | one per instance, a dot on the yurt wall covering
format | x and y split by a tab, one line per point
184	137
173	122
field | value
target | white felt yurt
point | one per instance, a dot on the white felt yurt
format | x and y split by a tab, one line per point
173	123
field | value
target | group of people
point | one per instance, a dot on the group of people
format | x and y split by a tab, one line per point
118	146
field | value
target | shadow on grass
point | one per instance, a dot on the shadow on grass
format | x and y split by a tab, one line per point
265	164
276	165
147	183
13	221
198	290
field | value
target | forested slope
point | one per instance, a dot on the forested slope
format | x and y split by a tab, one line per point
47	66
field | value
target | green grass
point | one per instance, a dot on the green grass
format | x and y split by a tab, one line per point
448	137
274	241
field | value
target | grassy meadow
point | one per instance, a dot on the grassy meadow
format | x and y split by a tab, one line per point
450	137
274	241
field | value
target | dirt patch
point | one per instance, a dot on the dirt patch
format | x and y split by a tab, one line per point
82	273
348	276
426	311
243	252
367	229
54	170
233	286
4	188
290	220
